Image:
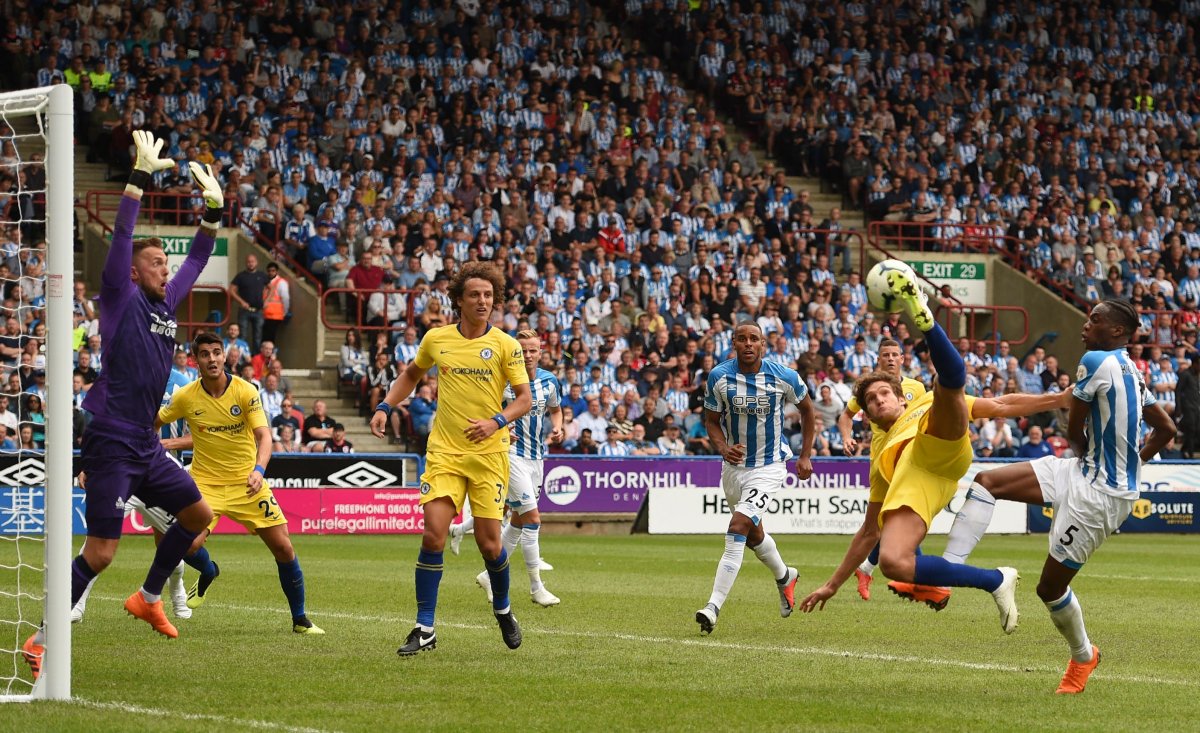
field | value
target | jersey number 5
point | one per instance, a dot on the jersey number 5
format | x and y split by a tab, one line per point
1068	536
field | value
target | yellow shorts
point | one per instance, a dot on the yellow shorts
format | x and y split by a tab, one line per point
927	475
252	512
481	476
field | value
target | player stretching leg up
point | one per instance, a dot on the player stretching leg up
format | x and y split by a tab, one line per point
121	453
526	460
743	412
1093	493
891	357
468	449
926	450
231	444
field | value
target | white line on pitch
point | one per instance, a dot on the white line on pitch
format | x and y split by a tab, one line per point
708	643
178	715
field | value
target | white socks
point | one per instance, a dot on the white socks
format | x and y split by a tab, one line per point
176	577
969	524
727	569
1067	615
510	536
533	555
769	554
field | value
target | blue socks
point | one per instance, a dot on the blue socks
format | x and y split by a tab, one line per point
81	575
291	579
201	562
171	549
936	571
497	571
428	577
951	372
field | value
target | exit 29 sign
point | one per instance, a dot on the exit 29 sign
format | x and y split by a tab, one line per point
967	280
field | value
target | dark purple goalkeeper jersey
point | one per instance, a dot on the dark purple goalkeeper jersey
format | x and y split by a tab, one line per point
137	333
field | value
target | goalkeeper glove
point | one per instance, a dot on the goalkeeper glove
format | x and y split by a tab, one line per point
148	159
210	189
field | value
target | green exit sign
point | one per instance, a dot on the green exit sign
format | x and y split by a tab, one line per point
951	270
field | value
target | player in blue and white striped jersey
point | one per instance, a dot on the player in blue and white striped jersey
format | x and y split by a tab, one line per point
1093	492
743	412
531	433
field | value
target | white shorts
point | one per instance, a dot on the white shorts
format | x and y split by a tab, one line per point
1083	516
749	490
524	483
157	518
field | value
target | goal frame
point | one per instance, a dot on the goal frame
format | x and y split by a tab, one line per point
55	108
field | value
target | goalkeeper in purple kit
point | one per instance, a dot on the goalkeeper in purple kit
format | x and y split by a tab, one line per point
121	452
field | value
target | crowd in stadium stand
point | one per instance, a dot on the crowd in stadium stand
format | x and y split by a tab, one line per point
378	146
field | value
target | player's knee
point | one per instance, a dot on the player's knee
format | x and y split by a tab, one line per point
741	524
987	480
1049	590
99	557
433	541
196	518
284	552
897	565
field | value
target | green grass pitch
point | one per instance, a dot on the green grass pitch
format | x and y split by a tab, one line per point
623	652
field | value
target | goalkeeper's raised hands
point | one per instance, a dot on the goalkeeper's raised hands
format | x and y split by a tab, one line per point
149	153
210	189
208	184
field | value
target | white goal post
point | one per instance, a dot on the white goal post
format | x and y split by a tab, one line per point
43	119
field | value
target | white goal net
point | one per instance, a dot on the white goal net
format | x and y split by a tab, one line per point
36	363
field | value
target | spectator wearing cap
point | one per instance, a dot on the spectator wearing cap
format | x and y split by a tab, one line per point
321	246
338	443
613	446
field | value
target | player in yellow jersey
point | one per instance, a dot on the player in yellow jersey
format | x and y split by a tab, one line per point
926	450
891	357
231	446
467	459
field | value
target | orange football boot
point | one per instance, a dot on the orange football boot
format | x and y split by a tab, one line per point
151	613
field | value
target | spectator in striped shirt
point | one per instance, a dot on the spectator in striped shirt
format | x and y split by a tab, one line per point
613	445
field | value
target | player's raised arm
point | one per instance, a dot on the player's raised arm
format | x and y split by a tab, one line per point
1162	431
206	236
1017	405
120	254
